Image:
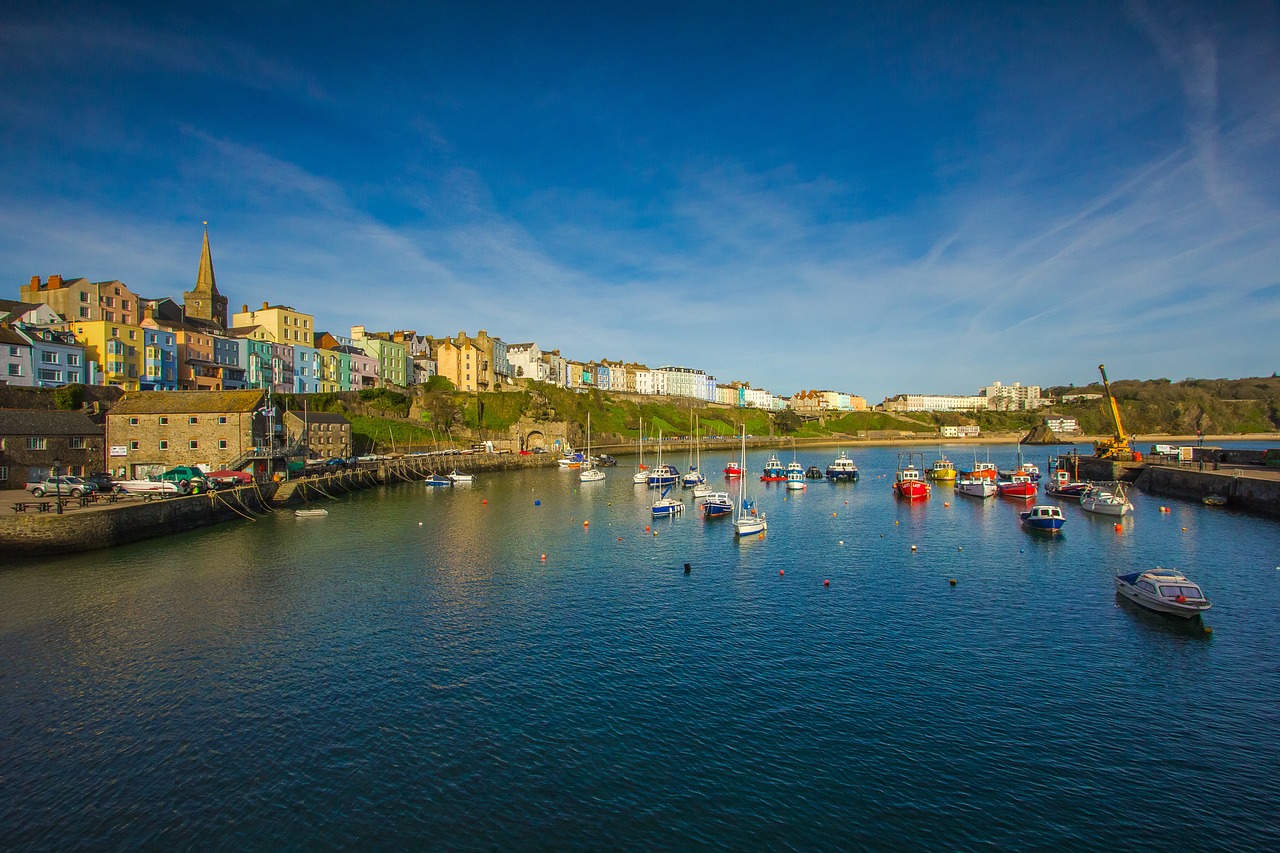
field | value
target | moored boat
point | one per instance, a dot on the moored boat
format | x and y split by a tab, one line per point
977	487
734	470
1163	591
717	504
310	513
590	471
1020	487
1043	518
942	470
813	472
773	470
746	521
437	480
908	485
795	476
1102	501
1063	486
842	469
665	506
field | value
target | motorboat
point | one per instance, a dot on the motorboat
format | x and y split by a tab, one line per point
1020	487
437	480
692	477
1102	501
1214	500
604	460
1163	591
149	487
662	475
795	476
773	470
1031	470
813	472
908	484
746	521
717	504
455	476
1063	486
1043	518
977	487
702	490
842	469
310	513
942	470
571	459
734	470
981	471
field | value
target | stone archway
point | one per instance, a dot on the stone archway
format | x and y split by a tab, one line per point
532	439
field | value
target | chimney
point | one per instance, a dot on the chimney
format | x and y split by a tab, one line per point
35	282
55	281
244	309
265	306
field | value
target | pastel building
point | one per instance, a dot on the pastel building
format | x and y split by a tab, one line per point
116	347
159	360
278	323
392	356
81	300
307	370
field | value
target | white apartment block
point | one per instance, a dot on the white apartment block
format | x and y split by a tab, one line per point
526	362
934	403
1013	397
685	382
651	382
1062	424
964	431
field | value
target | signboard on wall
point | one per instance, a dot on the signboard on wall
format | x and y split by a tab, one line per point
119	450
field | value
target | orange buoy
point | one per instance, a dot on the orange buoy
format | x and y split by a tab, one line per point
826	583
619	538
833	515
484	501
646	528
946	503
781	572
1118	528
544	558
953	581
586	524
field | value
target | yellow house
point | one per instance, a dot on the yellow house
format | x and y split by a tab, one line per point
462	362
118	348
279	323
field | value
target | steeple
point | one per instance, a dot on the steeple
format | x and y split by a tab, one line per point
205	302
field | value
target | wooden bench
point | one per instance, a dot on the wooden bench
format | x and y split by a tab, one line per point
44	506
20	506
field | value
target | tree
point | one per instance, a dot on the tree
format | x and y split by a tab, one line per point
788	421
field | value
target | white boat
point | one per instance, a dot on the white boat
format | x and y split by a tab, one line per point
978	487
795	476
310	513
746	521
149	487
1164	591
843	469
662	475
589	472
702	490
641	476
1106	502
665	506
693	477
455	476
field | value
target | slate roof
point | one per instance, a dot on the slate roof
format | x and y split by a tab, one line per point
45	422
187	402
9	337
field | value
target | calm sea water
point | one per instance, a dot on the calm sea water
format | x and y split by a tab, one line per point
409	672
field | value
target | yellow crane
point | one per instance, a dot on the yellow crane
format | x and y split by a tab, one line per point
1116	447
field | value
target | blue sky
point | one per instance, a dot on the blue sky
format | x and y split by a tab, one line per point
876	198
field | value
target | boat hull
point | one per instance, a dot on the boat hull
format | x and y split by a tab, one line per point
750	526
911	491
1021	491
976	488
1127	588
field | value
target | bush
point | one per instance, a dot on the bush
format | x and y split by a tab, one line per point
69	397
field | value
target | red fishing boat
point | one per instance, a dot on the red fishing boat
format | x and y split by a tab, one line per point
734	470
1019	486
909	485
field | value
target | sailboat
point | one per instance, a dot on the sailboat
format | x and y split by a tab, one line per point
703	489
641	477
693	477
660	474
745	524
589	473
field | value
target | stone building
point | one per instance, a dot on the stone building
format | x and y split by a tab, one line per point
323	434
33	443
151	431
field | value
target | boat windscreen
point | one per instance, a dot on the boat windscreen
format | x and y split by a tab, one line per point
1169	591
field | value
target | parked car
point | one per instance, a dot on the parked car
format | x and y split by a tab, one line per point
104	482
335	462
62	485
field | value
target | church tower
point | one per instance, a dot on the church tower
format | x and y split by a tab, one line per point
205	302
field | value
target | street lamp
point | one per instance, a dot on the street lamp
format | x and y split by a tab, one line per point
57	485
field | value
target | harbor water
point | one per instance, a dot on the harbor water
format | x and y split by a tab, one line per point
524	663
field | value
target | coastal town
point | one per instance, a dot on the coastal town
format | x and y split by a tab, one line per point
198	379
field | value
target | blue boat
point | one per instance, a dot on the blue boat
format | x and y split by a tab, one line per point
665	506
1043	518
842	469
438	480
716	505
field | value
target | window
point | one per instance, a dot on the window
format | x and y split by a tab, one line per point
193	445
4	473
13	351
222	444
15	369
46	357
73	359
164	445
84	296
222	419
110	302
133	445
84	313
163	420
133	334
50	375
193	420
109	316
76	442
124	304
40	443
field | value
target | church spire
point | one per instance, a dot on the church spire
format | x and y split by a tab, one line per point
205	282
205	302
